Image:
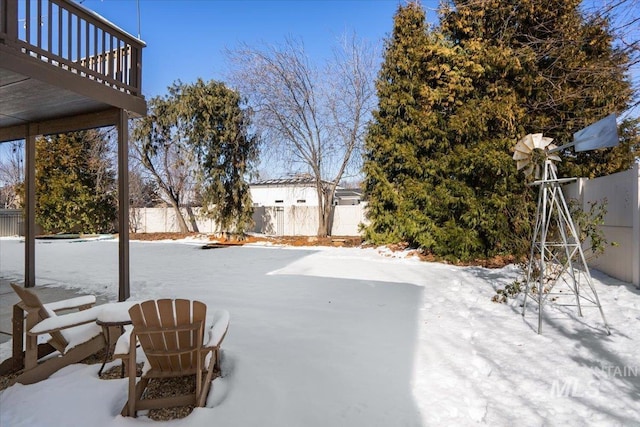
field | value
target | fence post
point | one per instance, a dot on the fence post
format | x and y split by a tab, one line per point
635	205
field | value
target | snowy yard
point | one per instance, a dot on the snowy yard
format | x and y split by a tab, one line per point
350	337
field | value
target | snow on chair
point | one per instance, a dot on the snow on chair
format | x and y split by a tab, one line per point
74	335
172	335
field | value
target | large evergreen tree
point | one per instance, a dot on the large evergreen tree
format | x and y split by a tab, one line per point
226	151
75	183
454	100
390	158
570	73
438	163
199	134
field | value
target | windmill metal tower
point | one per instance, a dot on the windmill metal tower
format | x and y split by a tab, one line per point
557	271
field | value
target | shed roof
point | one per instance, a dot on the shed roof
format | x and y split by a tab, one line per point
296	181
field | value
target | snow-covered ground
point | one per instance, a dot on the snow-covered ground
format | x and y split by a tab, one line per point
350	337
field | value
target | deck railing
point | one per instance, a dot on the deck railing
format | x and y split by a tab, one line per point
71	37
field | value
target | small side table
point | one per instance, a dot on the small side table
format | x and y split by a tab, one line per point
113	318
108	330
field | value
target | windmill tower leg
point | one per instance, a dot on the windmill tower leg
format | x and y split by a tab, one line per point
538	247
569	248
595	294
559	256
582	260
542	274
532	255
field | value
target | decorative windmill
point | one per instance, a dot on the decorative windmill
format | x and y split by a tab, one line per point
557	270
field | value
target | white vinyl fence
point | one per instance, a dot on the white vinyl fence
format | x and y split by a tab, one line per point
11	222
163	220
270	220
621	224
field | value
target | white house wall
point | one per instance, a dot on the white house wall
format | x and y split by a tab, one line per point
289	195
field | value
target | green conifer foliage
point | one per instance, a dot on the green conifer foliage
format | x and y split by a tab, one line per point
204	121
570	75
225	149
454	100
428	179
392	166
75	183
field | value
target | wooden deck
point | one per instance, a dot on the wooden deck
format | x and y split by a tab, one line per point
64	68
60	60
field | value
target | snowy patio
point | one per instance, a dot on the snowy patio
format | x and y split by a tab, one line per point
349	337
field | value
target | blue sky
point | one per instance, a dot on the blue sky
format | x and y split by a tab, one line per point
186	38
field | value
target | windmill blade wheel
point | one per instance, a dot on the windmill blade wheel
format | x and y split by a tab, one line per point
532	151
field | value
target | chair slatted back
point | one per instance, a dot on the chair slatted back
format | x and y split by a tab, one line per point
36	312
170	333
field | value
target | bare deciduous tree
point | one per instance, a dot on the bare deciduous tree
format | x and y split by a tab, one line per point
624	20
166	158
143	193
11	173
312	120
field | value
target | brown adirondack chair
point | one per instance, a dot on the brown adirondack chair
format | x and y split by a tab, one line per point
74	335
172	335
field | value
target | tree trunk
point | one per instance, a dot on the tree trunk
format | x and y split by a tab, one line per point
322	218
181	222
322	223
325	207
327	219
192	220
134	219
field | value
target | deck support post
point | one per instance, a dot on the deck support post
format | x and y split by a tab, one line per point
30	208
123	205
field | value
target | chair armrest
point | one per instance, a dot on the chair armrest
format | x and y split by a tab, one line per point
116	311
121	349
71	303
65	321
216	333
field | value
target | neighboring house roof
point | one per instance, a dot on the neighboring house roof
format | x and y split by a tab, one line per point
349	193
348	196
296	181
